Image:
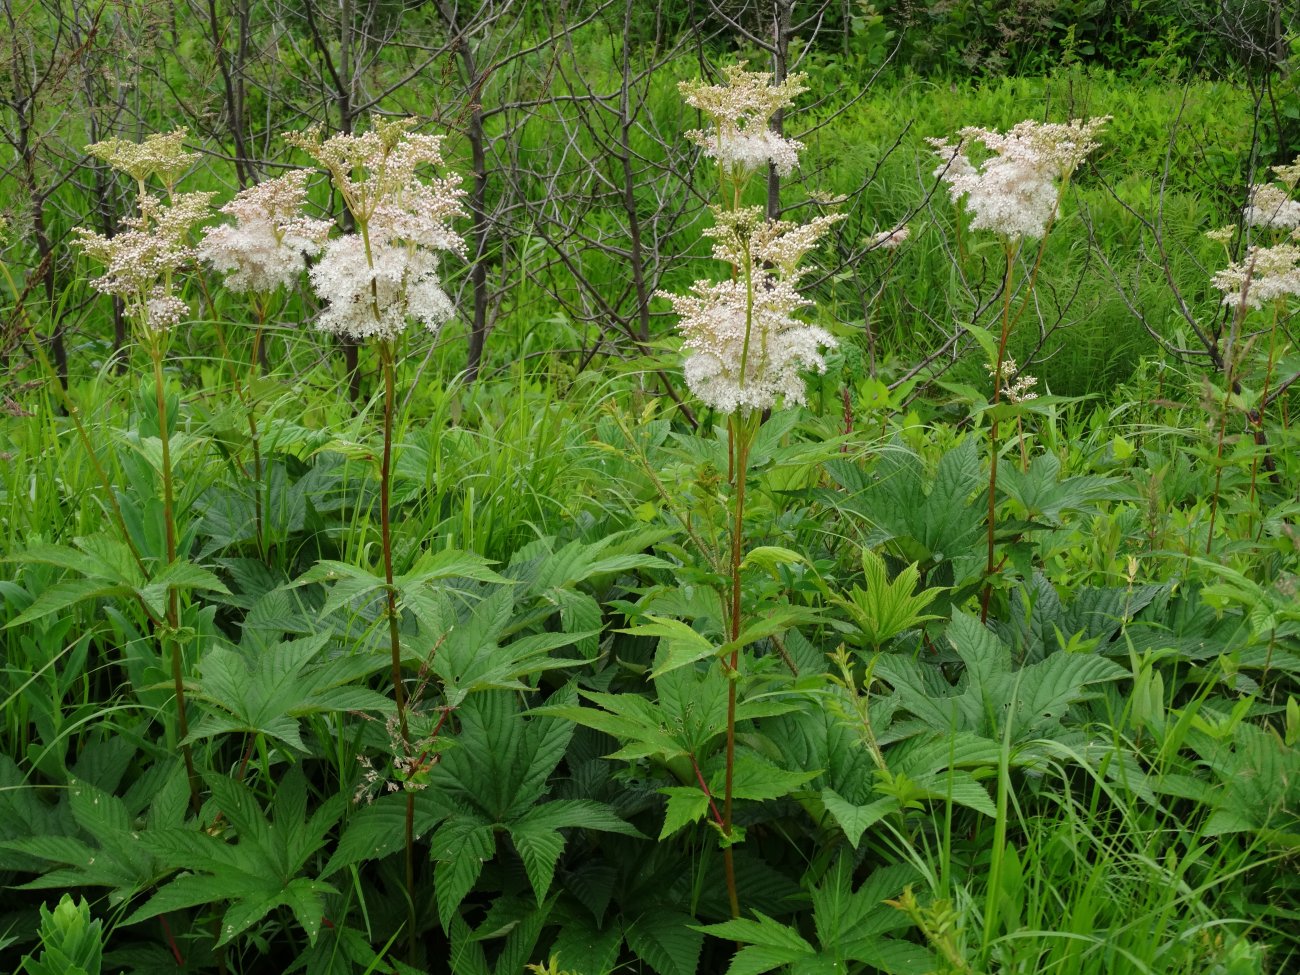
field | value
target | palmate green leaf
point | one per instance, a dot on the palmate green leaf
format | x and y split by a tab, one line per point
1035	696
537	838
378	829
180	575
539	848
1043	496
63	595
761	781
580	561
686	805
448	564
854	925
346	583
855	820
504	758
630	718
582	947
885	609
679	644
581	614
769	557
475	653
259	871
666	942
460	847
768	944
113	855
267	692
102	556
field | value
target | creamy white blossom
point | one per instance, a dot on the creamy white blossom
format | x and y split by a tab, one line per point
1263	276
162	154
745	356
1016	386
142	262
746	347
1271	206
1289	175
386	274
271	238
741	138
889	239
1015	190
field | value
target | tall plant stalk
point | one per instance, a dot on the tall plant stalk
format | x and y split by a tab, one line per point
739	440
169	645
387	357
993	426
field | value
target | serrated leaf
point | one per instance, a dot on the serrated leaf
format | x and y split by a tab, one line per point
679	644
665	941
856	820
685	806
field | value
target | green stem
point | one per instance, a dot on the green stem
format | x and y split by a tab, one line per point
387	354
739	439
171	625
993	428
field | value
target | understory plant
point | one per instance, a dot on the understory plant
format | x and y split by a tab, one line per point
541	673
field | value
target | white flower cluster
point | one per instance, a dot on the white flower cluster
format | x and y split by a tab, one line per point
1017	390
741	111
746	347
1015	190
269	242
889	239
140	263
385	274
162	154
1265	275
1271	206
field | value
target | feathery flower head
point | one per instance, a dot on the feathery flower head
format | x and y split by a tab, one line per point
1015	191
162	154
745	346
1271	206
1288	175
378	279
1222	235
373	296
741	111
1264	275
746	236
889	239
268	244
728	372
380	169
1016	388
140	262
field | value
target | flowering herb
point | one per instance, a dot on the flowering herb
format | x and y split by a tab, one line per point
269	242
377	279
1015	191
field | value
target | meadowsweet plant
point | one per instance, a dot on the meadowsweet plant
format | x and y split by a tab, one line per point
740	138
144	266
745	345
375	282
263	251
1266	278
1014	191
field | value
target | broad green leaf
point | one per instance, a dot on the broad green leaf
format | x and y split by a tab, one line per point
665	941
679	644
856	820
459	847
686	805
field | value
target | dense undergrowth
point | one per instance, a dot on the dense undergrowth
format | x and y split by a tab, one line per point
561	669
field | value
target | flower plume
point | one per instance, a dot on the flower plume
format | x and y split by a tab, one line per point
1015	190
